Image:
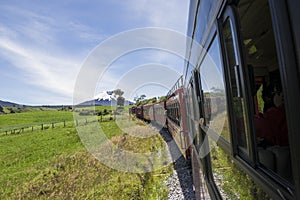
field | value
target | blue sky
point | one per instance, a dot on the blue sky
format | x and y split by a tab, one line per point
43	44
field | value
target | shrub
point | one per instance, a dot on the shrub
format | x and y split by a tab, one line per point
85	113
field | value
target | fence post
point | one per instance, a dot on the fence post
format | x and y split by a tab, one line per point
64	124
5	132
42	127
32	128
22	129
52	124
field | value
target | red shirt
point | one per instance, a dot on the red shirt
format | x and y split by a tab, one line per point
272	126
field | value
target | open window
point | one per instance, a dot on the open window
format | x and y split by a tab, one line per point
252	69
262	65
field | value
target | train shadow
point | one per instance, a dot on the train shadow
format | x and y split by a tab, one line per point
181	166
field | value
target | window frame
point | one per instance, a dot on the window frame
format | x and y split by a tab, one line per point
222	142
283	15
271	182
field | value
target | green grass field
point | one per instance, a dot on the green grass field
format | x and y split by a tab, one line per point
36	116
53	163
33	118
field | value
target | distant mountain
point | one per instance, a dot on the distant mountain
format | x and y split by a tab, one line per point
7	103
106	95
105	98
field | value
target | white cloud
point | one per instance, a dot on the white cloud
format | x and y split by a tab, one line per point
85	32
168	14
145	46
33	47
49	47
54	73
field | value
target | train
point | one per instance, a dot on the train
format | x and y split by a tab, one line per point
169	114
242	93
235	112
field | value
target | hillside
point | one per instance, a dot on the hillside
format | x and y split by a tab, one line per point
7	103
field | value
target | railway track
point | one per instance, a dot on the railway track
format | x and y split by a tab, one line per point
180	183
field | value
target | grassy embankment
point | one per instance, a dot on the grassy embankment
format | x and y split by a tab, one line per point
54	164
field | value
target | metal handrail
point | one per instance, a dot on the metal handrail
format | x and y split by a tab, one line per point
178	84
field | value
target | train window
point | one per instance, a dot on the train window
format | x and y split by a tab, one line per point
189	110
231	181
238	101
205	12
263	68
194	115
214	94
178	114
191	116
197	140
173	112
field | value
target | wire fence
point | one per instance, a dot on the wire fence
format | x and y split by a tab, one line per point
18	129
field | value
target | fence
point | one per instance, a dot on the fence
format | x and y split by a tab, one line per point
52	125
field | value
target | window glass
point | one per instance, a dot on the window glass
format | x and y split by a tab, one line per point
267	93
233	66
215	101
231	180
192	111
205	13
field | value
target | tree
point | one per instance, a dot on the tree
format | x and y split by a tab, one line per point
217	91
120	100
162	98
152	100
118	92
139	99
142	97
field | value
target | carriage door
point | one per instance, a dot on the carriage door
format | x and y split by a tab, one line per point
234	71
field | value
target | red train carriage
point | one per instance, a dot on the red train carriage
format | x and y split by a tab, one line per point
132	110
159	114
177	120
139	112
148	112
